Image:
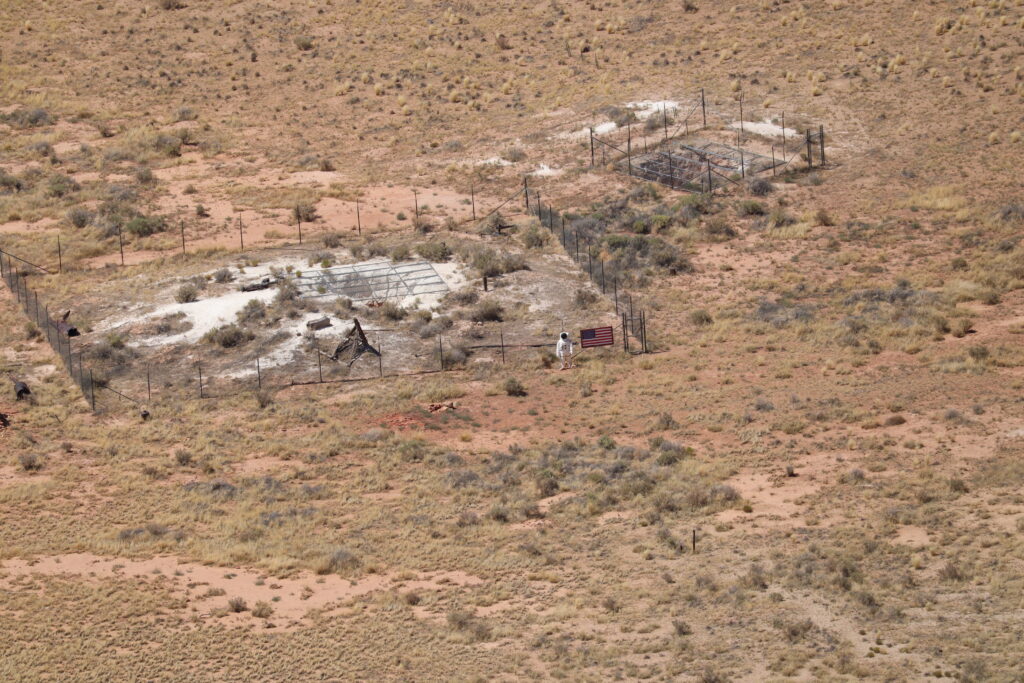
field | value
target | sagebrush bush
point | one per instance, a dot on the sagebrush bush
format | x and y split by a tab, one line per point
228	336
389	310
79	217
759	187
513	387
701	317
341	560
305	213
332	240
487	311
187	293
434	250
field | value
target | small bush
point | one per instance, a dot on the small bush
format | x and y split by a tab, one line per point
144	176
79	217
585	298
750	207
228	336
253	310
760	187
701	317
30	118
61	186
305	213
341	560
171	4
187	293
30	462
487	311
322	257
332	240
462	297
223	275
513	387
535	237
304	43
144	226
389	310
513	154
262	610
237	605
434	250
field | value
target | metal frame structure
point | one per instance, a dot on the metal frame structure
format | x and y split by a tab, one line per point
377	281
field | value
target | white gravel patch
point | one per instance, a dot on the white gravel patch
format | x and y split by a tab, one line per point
766	128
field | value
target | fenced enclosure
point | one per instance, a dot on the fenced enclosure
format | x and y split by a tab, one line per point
674	158
16	273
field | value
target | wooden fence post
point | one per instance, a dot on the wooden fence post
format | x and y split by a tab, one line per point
183	238
703	109
591	147
200	369
120	244
821	142
472	197
501	332
810	150
60	260
359	222
259	375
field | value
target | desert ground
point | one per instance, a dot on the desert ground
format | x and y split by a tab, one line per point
808	464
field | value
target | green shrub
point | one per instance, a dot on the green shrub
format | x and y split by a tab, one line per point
434	250
513	387
187	293
535	237
61	186
144	226
750	207
79	217
389	310
701	317
228	336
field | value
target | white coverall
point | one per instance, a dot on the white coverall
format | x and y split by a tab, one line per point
564	351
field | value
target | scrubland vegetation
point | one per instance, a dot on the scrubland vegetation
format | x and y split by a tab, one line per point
815	475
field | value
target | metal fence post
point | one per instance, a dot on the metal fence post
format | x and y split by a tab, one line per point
92	391
821	142
591	147
200	369
60	260
259	375
440	351
380	356
501	332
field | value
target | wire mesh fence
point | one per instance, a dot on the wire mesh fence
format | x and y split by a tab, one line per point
665	154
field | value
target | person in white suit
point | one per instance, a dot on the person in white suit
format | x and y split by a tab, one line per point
564	350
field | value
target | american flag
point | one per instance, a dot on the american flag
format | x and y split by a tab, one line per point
597	336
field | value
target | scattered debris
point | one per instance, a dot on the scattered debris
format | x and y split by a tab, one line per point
353	345
256	286
441	407
319	323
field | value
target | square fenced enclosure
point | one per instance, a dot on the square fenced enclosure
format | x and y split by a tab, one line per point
373	281
699	166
